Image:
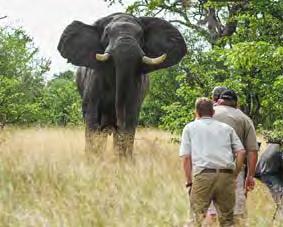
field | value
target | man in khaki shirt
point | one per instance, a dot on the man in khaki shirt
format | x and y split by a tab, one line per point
212	157
227	112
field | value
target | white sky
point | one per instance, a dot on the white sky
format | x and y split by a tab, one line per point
45	20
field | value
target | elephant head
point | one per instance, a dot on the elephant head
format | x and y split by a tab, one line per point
157	43
122	48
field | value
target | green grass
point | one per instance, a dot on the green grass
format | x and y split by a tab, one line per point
47	180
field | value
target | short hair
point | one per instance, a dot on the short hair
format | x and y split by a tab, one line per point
204	106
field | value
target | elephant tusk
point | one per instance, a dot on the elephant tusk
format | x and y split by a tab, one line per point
102	57
154	61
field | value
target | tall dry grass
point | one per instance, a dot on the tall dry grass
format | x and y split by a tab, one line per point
47	180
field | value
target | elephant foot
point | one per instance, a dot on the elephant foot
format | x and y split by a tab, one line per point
95	142
124	144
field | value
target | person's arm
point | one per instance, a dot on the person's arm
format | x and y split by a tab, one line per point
240	158
252	160
187	166
185	154
239	150
251	146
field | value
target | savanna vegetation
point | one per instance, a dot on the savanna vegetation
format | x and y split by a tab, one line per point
46	179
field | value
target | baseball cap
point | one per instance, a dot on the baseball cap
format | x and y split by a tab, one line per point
218	90
229	94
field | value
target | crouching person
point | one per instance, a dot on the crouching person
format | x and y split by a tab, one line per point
269	170
212	157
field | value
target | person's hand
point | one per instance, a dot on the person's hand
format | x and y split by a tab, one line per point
189	187
220	101
249	183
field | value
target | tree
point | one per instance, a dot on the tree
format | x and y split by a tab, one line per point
61	102
209	18
240	46
25	97
21	77
163	85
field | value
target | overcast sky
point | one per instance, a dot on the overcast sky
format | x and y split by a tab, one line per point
44	20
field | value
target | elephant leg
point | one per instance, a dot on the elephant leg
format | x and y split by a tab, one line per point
96	141
129	140
123	143
125	134
95	138
117	144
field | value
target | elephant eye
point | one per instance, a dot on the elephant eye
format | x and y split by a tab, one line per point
105	38
142	40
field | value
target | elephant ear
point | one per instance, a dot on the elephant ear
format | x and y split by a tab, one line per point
161	37
79	43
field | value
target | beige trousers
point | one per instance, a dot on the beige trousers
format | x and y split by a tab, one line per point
216	187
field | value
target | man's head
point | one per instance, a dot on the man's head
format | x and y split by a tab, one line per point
216	92
229	98
204	107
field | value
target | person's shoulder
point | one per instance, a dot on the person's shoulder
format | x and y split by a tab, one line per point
244	116
222	109
189	125
218	107
222	125
240	113
219	110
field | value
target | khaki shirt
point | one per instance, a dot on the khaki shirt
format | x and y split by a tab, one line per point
241	123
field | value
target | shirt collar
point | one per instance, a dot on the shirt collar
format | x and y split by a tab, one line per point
205	117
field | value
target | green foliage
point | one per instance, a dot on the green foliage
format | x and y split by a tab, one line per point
21	77
276	134
163	85
25	98
16	106
249	60
61	102
259	66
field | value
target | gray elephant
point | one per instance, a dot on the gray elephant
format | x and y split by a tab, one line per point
115	54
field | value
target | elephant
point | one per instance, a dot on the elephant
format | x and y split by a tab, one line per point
114	54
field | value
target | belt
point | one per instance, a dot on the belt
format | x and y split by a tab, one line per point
218	170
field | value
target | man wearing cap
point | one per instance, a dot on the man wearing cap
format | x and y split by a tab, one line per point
213	152
227	112
216	92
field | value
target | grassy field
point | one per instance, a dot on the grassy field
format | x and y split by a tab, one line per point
47	180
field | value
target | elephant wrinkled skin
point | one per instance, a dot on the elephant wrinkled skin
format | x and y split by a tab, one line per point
114	55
